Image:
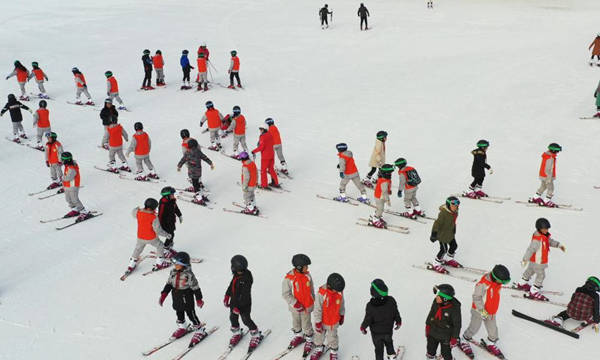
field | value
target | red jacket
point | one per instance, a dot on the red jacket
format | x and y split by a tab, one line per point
265	147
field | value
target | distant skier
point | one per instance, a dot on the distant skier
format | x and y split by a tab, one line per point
443	323
193	158
116	134
408	181
595	47
478	170
383	189
202	68
112	89
323	15
547	176
159	63
267	159
39	76
584	305
363	13
444	231
377	157
202	49
186	67
536	259
71	181
167	211
238	126
382	318
53	152
329	315
234	70
249	182
14	107
22	75
349	172
147	63
81	87
140	145
148	232
213	118
430	4
41	121
108	115
597	97
274	131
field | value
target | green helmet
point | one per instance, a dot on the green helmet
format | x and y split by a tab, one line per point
400	162
146	52
66	156
17	62
386	168
233	53
483	144
51	134
108	73
554	147
35	64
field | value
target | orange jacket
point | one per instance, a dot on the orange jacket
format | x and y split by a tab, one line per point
43	118
114	87
115	135
142	145
52	149
380	181
253	173
145	230
80	77
492	295
541	256
213	119
332	303
350	164
236	63
240	125
21	75
157	61
274	131
75	181
201	65
402	172
596	46
545	157
301	286
39	74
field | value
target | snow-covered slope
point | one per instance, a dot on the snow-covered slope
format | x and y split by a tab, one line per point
513	72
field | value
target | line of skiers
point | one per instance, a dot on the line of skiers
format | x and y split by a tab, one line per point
204	64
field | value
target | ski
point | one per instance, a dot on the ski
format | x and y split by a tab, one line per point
588	118
333	199
192	260
391	212
561	207
19	142
286	174
83	104
483	345
94	215
429	266
58	192
388	227
541	322
279	190
191	193
39	192
323	354
106	170
231	347
282	354
167	342
488	199
189	348
127	272
551	292
522	296
155	269
147	179
241	213
251	351
186	199
44	221
35	147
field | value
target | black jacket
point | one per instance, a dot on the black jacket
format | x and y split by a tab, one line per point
14	107
323	12
445	324
147	61
239	291
363	12
107	114
167	210
381	314
479	164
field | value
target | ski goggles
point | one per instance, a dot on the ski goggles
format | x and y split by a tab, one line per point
453	202
441	294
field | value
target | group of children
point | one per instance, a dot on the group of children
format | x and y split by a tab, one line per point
203	64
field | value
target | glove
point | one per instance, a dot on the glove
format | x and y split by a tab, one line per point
199	303
85	86
212	166
484	314
563	248
161	300
319	327
453	342
341	322
398	324
341	175
226	301
338	166
236	311
178	168
427	329
363	330
433	237
8	77
595	327
524	263
107	93
389	203
47	164
399	193
491	171
181	219
30	111
298	307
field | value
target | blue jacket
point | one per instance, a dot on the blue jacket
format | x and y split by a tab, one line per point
185	62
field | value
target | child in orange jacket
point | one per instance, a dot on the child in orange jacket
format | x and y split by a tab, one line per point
329	315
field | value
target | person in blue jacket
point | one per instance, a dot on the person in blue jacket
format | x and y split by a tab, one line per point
186	67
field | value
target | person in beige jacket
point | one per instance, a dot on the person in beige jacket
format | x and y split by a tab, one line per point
377	157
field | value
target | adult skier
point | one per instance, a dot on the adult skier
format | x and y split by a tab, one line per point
349	171
116	134
329	315
377	157
39	76
274	131
148	232
108	115
81	85
363	13
202	68
213	118
267	159
159	63
140	145
536	260
41	121
478	170
444	231
430	4
193	158
547	175
71	180
299	293
167	211
147	63
14	106
234	70
186	67
112	89
383	189
408	181
238	126
53	152
323	15
183	286
22	74
595	47
382	318
249	182
583	306
443	323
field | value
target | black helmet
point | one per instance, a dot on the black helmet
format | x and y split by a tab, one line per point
51	134
35	64
445	291
452	200
378	288
151	203
182	258
400	162
593	282
500	274
43	104
341	147
233	53
236	110
192	144
554	147
381	135
482	144
336	282
12	97
138	126
386	168
75	69
108	73
159	52
209	104
542	223
184	133
269	121
146	51
300	260
66	157
167	190
239	263
185	52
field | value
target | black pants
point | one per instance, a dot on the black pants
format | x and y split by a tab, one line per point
597	57
235	75
235	323
324	21
477	181
197	184
147	78
183	303
371	172
186	74
563	315
450	249
432	345
381	340
171	231
363	19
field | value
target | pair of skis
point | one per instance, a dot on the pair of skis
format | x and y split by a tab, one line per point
400	351
574	333
557	206
94	214
493	199
190	200
240	212
389	227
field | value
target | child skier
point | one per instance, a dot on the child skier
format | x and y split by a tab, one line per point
112	89
167	211
267	159
183	286
486	300
443	323
363	13
595	51
323	15
186	67
547	176
329	315
40	76
193	158
584	305
41	120
478	170
409	180
202	68
238	298
14	107
158	62
299	293
22	75
147	63
382	317
214	118
234	70
536	260
377	157
108	114
444	231
430	4
116	134
383	189
71	180
249	182
274	131
597	97
348	171
148	232
53	153
140	145
238	126
81	87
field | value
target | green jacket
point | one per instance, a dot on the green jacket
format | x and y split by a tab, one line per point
444	227
444	320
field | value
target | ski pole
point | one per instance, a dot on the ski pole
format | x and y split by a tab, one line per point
210	74
211	64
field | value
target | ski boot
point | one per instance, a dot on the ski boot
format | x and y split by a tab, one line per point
522	285
333	355
61	190
23	136
71	213
90	102
205	87
296	340
255	339
470	195
16	139
213	147
169	252
24	98
132	264
239	85
250	210
536	199
308	346
316	355
368	183
122	107
78	102
199	335
452	263
408	214
555	321
54	185
597	115
111	166
437	266
236	337
182	329
549	203
273	184
160	264
84	215
535	294
200	199
152	175
480	193
231	86
418	212
493	349
377	222
140	177
341	198
124	167
465	347
364	199
104	146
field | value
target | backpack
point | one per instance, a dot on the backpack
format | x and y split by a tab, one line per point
412	177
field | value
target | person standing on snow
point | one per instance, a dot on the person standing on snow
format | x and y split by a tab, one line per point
186	67
213	118
22	75
249	182
53	152
159	63
147	62
234	70
267	159
81	87
408	181
323	15
14	107
377	157
193	158
71	180
443	323
41	121
39	76
547	176
444	231
383	190
329	315
140	145
595	47
116	134
112	89
238	126
202	69
478	170
348	172
167	211
148	232
274	131
108	115
363	13
597	97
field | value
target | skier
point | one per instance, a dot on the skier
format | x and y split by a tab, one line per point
108	114
430	4
267	159
584	305
595	51
81	87
234	70
183	286
377	157
22	74
186	67
299	293
202	78
329	315
547	176
41	120
194	158
486	300
140	145
363	13
409	180
323	14
70	180
53	154
238	126
39	76
14	107
158	62
116	134
148	231
444	231
597	97
249	182
478	170
274	131
382	317
147	62
238	298
214	119
202	49
536	260
167	210
383	189
112	89
443	323
348	171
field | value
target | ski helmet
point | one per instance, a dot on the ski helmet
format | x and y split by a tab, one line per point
158	52
167	190
43	104
75	69
378	288
151	203
482	144
300	260
108	101
35	64
326	5
400	162
233	53
341	147
386	168
243	156
239	263
108	73
236	110
203	45
146	52
542	223
201	55
138	126
445	291
593	282
262	129
500	274
66	156
381	135
182	258
452	200
209	104
185	52
51	134
336	282
554	147
193	143
269	121
12	97
184	133
17	62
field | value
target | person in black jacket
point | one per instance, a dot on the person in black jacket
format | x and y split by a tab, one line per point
478	170
323	15
443	323
147	61
363	13
107	114
14	106
167	210
381	315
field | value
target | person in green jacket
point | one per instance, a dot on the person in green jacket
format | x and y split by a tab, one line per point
443	231
443	323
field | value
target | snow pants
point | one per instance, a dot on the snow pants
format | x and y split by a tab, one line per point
246	319
41	132
363	19
355	179
140	159
432	345
329	332
115	95
214	136
40	84
236	75
249	195
116	150
186	74
301	321
105	136
72	197
410	198
18	128
324	20
141	244
371	172
202	78
267	165
82	90
22	87
160	76
379	207
239	139
183	303
449	249
477	182
279	151
56	172
380	341
147	78
540	273
546	184
197	184
475	324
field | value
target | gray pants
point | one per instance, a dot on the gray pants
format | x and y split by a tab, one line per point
143	158
105	136
540	273
214	136
355	179
279	152
115	95
202	78
379	207
56	172
475	324
41	132
82	90
141	244
72	197
18	128
239	139
22	87
160	75
249	195
546	184
410	198
332	337
301	321
41	86
118	150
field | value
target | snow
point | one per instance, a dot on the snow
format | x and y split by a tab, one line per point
512	72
